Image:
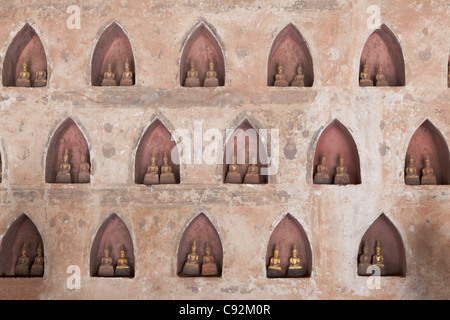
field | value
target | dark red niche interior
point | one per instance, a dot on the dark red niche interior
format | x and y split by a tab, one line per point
382	48
287	233
67	136
20	231
201	230
156	139
25	45
391	243
427	140
202	47
290	49
113	47
245	152
114	234
336	140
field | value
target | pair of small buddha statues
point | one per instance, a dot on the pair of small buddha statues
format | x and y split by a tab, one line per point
322	176
109	78
107	268
280	78
366	260
192	266
412	176
234	175
154	176
295	268
23	269
24	79
192	79
366	81
64	176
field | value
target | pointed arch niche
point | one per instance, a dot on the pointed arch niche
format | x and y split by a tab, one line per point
286	234
21	231
156	140
246	144
383	49
336	140
201	48
427	140
114	235
290	50
200	230
113	47
391	244
26	46
67	137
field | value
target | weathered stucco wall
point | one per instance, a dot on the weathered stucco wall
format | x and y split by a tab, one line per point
334	218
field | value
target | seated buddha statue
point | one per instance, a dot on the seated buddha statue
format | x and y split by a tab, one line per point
191	266
233	174
109	78
63	175
322	176
84	176
428	176
364	261
106	268
24	76
152	175
377	258
127	75
364	79
22	268
122	267
252	175
380	79
274	268
37	268
192	79
167	175
211	77
280	78
299	79
411	175
341	176
209	267
295	268
40	79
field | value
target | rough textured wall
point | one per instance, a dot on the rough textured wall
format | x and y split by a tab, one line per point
334	218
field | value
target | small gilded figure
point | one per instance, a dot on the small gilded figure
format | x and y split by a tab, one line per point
84	176
109	78
40	79
22	268
192	79
274	268
233	174
364	80
191	266
209	267
364	260
106	268
341	176
252	175
380	79
37	268
24	76
167	176
127	75
63	175
152	175
428	176
411	175
280	78
211	77
299	79
295	268
322	176
377	258
122	267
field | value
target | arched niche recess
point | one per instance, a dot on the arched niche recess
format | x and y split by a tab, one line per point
391	244
383	49
428	141
286	234
26	46
67	137
156	140
21	231
202	47
334	141
246	145
202	231
114	235
112	47
290	50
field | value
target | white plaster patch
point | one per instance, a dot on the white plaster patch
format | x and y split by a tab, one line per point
333	54
411	228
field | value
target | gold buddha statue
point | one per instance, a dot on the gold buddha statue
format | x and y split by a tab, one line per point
167	176
274	268
37	268
299	79
252	175
84	176
280	78
192	79
24	76
295	268
122	267
191	266
109	78
40	79
209	267
377	258
22	268
233	174
106	268
211	77
127	75
322	176
364	80
341	176
428	176
380	79
411	177
152	175
364	260
63	175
